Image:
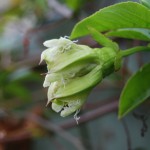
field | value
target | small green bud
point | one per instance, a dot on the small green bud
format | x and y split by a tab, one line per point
73	71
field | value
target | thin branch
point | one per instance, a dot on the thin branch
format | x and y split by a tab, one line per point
58	130
127	134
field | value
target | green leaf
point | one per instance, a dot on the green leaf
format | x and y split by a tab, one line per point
118	16
131	33
136	91
146	3
17	90
75	4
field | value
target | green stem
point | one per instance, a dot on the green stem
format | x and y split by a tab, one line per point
133	50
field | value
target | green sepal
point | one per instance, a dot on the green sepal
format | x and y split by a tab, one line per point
118	61
107	58
76	69
80	83
102	39
75	54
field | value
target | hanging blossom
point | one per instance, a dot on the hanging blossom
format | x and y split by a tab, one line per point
73	71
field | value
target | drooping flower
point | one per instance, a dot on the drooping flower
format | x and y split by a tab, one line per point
73	71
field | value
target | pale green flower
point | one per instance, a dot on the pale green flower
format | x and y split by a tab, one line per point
73	71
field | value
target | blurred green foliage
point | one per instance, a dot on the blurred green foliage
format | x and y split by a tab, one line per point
17	85
76	5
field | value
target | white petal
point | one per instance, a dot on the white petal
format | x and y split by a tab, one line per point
47	81
42	57
56	107
51	91
49	54
51	43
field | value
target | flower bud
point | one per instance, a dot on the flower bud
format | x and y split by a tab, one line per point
73	70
